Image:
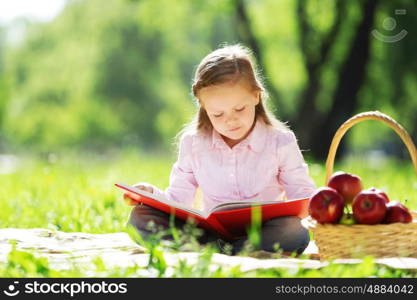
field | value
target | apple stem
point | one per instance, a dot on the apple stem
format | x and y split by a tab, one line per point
347	211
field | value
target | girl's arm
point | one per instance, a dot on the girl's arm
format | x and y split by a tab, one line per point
182	183
293	171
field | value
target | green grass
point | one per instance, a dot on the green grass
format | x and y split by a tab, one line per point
75	193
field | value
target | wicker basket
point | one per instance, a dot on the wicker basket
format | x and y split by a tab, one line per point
356	241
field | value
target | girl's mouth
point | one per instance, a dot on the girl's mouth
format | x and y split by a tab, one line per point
234	129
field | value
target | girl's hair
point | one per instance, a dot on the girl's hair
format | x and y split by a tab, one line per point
229	64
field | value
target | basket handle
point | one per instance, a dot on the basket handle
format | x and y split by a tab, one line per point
370	115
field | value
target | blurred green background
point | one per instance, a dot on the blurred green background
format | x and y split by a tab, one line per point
107	75
97	94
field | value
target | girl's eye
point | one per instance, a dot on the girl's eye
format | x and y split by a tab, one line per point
240	109
218	116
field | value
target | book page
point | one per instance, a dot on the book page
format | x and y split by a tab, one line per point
242	204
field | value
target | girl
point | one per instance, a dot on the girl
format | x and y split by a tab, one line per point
234	150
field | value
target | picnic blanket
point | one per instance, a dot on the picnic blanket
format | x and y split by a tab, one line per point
66	249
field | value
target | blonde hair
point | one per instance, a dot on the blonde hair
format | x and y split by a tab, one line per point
228	64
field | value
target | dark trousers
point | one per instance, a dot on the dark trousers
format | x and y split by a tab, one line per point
287	232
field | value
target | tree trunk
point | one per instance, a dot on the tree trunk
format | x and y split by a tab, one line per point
351	79
307	113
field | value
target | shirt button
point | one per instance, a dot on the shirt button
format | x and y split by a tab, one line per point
232	175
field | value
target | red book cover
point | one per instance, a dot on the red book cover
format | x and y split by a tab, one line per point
230	219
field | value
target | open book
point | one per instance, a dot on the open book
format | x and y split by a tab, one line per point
229	219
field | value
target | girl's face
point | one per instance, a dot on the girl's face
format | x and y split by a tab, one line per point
231	109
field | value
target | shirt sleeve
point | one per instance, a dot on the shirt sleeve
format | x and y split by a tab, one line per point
293	171
182	183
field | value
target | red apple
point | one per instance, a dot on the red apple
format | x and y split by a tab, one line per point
326	205
380	192
347	185
397	213
369	207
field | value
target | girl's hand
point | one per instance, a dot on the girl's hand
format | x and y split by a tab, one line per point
133	199
144	187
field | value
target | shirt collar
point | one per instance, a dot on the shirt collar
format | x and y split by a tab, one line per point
255	140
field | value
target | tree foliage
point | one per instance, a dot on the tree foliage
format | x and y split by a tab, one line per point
118	74
119	71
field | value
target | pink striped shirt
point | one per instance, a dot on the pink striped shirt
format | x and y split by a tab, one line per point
267	165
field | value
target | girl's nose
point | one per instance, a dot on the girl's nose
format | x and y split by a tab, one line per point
231	118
